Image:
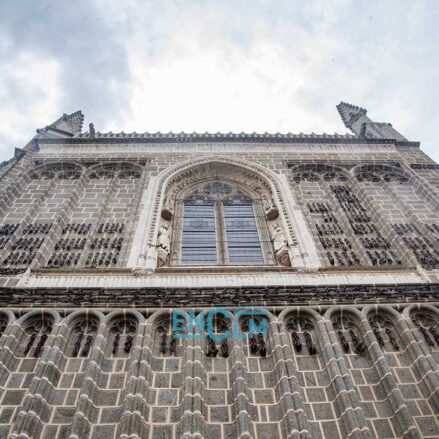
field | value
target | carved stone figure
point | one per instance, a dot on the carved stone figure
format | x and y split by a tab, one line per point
280	246
163	240
271	211
270	208
163	244
92	131
168	206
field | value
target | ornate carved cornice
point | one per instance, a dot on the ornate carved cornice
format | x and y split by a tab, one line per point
424	166
248	296
237	138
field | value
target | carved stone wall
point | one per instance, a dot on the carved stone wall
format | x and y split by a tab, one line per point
339	371
353	209
87	348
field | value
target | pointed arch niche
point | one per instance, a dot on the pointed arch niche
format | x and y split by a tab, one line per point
230	181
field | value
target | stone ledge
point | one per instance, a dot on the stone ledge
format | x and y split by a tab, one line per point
233	296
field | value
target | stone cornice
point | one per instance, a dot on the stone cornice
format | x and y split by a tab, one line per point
293	139
244	296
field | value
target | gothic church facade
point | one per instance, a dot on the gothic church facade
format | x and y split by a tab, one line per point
331	240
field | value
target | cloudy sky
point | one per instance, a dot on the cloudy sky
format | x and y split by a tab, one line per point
218	65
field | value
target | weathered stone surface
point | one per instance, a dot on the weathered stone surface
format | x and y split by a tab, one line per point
91	272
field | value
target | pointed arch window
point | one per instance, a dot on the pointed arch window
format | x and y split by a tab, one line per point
219	224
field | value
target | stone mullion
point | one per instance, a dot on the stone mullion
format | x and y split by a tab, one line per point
427	190
346	401
422	361
140	187
136	407
59	222
28	218
86	412
408	211
342	218
244	425
308	219
377	214
406	422
99	216
11	189
294	421
36	407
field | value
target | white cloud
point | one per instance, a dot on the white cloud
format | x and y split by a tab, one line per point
31	96
202	65
219	72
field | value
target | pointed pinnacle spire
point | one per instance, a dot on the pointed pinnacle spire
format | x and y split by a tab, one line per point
350	113
356	119
68	125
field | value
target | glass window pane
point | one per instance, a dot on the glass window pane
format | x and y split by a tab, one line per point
243	243
199	235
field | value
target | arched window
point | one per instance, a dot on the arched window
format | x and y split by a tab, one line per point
220	224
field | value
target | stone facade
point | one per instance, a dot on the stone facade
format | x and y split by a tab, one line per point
91	278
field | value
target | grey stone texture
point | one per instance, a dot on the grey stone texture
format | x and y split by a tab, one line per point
82	213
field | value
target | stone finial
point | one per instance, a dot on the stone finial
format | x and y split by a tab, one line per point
92	131
355	118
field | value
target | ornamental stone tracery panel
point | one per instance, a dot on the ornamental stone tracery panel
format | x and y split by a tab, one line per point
75	219
368	236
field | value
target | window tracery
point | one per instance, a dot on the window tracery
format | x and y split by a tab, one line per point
380	173
165	342
302	332
122	332
61	171
203	188
84	331
427	323
257	342
36	332
314	172
128	171
3	323
384	331
214	348
218	224
349	334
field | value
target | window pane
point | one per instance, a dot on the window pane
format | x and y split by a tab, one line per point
243	243
199	237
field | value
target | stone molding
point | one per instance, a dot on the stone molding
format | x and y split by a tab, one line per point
178	176
234	296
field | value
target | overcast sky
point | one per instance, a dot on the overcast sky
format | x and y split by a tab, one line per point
220	65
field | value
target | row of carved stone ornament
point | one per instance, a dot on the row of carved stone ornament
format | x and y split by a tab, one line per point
72	171
324	332
367	172
241	296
